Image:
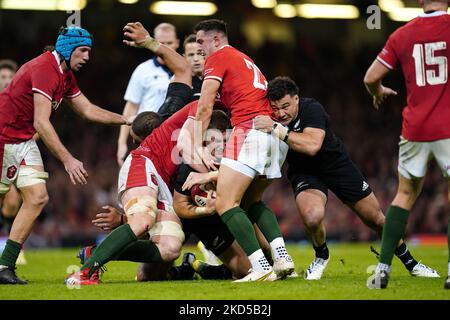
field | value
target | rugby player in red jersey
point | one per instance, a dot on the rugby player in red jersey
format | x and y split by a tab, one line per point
421	49
249	153
26	105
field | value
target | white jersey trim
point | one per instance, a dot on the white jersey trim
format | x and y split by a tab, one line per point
58	61
385	63
74	95
214	77
42	92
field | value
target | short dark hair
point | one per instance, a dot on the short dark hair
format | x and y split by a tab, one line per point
8	64
189	39
211	25
219	121
145	123
281	86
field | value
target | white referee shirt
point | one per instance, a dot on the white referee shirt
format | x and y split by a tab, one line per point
148	85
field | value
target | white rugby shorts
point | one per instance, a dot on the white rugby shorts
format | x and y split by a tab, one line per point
254	153
414	156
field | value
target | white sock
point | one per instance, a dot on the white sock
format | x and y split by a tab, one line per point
259	261
278	248
449	268
383	267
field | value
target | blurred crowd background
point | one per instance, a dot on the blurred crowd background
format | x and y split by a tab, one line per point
327	58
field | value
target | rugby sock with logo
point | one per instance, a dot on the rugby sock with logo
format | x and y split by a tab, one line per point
113	244
10	253
265	219
393	230
242	229
402	252
322	251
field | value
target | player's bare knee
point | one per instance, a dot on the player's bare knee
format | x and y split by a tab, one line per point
170	249
39	199
223	205
313	217
140	223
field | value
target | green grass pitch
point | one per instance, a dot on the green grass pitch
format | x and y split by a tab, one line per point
344	279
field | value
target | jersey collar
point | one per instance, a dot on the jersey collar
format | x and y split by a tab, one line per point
164	67
433	14
58	60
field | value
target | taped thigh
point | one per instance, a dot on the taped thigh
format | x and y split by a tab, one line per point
141	204
167	228
29	176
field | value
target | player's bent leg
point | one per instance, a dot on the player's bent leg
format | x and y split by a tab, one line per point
35	197
140	207
168	235
395	223
311	207
235	259
11	203
231	187
265	219
368	209
9	210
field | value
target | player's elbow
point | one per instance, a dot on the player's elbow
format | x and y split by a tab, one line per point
370	78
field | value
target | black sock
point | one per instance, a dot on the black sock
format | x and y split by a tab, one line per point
215	272
322	251
402	252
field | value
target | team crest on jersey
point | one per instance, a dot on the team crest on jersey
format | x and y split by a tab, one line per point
11	172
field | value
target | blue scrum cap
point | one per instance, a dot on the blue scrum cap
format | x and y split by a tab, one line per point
71	38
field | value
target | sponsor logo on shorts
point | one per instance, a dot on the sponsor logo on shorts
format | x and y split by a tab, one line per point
11	172
365	186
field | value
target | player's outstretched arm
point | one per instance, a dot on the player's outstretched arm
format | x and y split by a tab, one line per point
87	110
372	81
206	103
139	37
43	126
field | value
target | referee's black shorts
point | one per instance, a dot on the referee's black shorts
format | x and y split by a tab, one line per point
211	230
343	179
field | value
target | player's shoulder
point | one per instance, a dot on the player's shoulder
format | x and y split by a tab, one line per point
45	61
310	103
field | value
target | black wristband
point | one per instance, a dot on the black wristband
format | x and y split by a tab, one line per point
286	136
